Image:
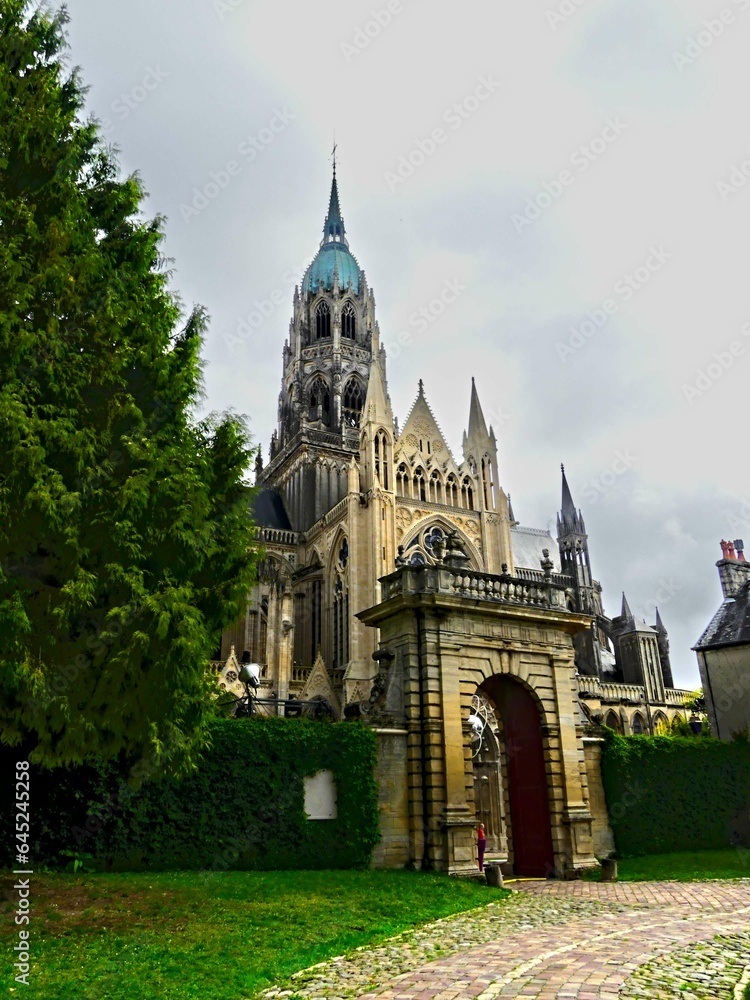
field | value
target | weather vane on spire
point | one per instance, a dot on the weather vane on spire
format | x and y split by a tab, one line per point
333	151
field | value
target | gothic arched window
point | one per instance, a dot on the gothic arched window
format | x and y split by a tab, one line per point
613	722
320	401
661	724
354	400
381	459
487	481
436	491
401	478
348	322
451	491
420	490
421	549
340	610
638	729
467	494
322	321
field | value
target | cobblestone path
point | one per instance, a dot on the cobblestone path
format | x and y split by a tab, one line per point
558	941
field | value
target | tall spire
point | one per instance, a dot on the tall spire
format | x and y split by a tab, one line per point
626	613
334	230
477	423
568	507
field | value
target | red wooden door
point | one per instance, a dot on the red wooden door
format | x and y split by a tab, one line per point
527	779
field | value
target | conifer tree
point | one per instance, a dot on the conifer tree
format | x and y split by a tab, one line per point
125	540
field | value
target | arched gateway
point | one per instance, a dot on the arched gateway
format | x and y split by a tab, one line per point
523	778
479	720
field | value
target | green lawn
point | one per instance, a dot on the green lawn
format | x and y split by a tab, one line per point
213	936
687	867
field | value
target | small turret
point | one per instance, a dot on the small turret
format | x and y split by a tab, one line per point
663	643
480	451
626	614
574	549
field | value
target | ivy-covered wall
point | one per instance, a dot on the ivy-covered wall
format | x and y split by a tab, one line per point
243	809
668	793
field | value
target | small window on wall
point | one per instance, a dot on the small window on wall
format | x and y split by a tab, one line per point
638	725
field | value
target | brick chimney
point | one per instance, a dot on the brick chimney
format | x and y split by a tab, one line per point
734	571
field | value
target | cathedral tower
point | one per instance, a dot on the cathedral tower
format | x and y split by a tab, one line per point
333	340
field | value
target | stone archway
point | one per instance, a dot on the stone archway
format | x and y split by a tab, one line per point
530	825
485	759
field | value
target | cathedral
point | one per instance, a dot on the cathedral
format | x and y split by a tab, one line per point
347	494
397	587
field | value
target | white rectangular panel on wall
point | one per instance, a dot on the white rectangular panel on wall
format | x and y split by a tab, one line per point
320	796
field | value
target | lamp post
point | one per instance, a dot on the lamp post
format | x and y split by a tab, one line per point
249	674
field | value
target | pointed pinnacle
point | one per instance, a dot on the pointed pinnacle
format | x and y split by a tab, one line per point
568	507
626	613
477	423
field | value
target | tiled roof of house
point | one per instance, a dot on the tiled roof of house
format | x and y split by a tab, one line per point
730	626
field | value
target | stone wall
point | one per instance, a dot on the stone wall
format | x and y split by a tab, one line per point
604	841
393	849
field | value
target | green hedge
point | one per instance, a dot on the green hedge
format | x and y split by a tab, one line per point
667	794
243	809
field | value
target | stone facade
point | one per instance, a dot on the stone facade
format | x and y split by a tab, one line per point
348	498
724	648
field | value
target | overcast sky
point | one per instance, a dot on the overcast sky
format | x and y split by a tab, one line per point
575	168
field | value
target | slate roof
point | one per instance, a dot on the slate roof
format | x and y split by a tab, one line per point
527	547
268	510
730	626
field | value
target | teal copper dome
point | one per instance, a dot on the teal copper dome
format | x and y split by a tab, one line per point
334	256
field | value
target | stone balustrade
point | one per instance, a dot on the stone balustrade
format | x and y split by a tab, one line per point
503	589
678	697
278	536
537	576
336	512
610	691
615	692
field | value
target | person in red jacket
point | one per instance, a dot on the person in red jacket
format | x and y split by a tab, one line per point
481	844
